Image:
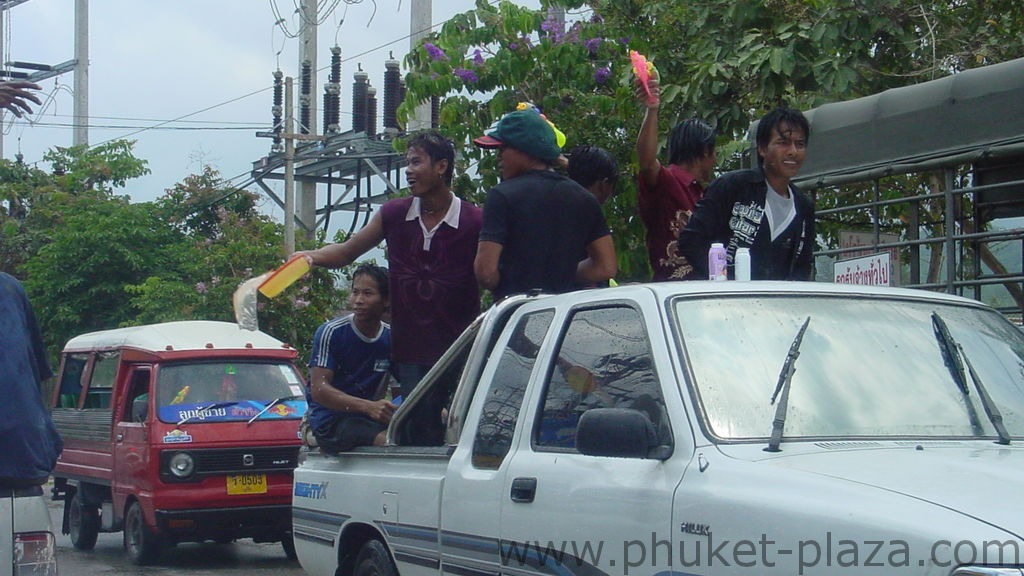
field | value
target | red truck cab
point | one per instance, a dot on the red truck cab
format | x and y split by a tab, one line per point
177	432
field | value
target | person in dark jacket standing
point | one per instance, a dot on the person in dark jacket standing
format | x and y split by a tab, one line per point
28	439
759	208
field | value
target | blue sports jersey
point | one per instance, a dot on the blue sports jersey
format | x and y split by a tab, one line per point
359	362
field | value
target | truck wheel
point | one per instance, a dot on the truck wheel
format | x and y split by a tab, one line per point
374	560
83	523
142	544
288	543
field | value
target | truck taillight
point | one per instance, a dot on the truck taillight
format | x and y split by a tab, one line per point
35	554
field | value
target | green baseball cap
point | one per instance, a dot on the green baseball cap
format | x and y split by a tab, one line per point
526	131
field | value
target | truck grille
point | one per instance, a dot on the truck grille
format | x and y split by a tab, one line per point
234	461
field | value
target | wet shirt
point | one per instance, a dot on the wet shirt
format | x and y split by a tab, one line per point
434	292
665	209
359	362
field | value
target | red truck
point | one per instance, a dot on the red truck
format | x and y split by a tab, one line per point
177	432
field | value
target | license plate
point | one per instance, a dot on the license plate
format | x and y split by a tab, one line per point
247	484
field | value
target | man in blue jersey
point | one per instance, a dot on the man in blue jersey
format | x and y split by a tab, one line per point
348	368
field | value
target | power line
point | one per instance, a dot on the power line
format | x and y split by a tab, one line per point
141	128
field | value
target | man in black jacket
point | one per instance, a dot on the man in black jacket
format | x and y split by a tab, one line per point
759	208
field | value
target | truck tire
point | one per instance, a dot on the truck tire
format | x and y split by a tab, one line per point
83	523
142	545
374	560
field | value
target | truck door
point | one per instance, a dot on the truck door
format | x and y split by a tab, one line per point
565	512
131	437
475	483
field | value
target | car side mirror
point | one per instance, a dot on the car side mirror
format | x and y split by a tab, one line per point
618	433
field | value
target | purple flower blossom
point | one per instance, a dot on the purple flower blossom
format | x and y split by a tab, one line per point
478	58
596	18
602	74
513	46
553	26
467	76
201	287
593	45
434	52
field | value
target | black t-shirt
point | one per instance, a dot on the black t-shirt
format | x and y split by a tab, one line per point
544	221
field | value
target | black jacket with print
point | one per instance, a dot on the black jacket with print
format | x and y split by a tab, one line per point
732	212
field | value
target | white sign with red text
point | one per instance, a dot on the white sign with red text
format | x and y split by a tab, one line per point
870	270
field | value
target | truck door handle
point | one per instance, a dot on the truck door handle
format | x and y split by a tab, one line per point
524	489
119	438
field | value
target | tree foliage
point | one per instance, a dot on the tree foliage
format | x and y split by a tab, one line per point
92	260
725	61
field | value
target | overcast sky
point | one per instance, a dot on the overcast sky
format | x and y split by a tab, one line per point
209	62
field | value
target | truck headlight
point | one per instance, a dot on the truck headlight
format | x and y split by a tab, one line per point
182	465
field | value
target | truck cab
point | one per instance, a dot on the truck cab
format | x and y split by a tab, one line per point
177	432
693	428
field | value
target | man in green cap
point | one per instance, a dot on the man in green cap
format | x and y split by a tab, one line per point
537	222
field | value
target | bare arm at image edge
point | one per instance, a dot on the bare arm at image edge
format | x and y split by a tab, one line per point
600	265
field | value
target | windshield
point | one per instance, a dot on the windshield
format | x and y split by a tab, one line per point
229	391
868	367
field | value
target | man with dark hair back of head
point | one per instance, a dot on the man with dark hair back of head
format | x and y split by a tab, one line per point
759	208
667	194
595	169
431	239
538	222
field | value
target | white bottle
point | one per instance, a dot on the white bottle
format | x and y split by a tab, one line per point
743	264
716	262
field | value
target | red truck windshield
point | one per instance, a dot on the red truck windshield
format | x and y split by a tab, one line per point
229	391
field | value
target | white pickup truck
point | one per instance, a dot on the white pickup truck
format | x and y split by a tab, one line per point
693	428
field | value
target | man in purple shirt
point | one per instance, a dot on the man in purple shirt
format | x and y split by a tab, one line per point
431	241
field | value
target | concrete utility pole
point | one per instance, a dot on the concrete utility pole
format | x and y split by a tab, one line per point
421	14
289	168
81	106
307	56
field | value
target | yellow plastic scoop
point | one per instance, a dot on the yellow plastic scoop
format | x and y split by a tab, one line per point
295	268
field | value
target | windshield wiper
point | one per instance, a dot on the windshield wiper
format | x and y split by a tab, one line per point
273	403
202	409
952	353
785	376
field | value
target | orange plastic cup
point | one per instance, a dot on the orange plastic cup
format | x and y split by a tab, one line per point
295	268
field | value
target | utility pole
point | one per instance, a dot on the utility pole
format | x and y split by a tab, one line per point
289	169
81	107
421	14
307	57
